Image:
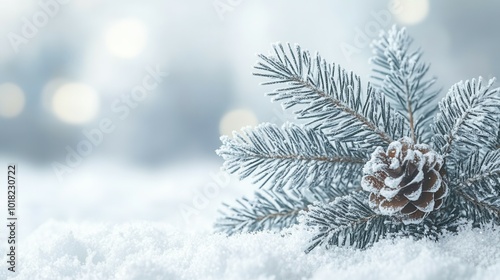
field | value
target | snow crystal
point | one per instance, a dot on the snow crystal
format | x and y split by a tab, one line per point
437	184
368	185
415	195
390	209
418	178
395	164
392	189
396	146
434	159
427	207
146	250
375	164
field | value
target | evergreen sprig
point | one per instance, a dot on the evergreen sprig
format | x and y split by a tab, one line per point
400	74
311	174
467	119
296	155
329	97
477	187
347	220
273	209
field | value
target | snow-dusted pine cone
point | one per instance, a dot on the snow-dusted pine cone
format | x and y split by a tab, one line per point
406	181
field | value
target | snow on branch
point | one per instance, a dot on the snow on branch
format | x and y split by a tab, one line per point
272	210
478	186
289	156
498	137
349	221
346	221
329	97
402	77
467	119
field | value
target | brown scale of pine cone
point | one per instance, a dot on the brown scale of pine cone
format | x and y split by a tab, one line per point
407	181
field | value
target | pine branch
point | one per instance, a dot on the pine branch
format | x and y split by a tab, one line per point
330	98
272	210
498	136
346	221
290	156
349	221
402	77
478	187
467	120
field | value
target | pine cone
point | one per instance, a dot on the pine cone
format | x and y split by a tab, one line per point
406	181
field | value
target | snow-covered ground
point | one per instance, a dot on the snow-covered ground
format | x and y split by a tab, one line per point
100	224
153	250
186	195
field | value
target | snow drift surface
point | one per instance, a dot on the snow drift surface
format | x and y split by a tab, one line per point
146	250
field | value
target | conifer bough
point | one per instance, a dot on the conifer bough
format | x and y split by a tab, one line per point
367	164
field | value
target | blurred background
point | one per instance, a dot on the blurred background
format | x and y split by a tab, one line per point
113	109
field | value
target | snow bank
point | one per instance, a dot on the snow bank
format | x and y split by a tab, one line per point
146	250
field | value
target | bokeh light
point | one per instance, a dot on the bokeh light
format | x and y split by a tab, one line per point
236	119
75	103
126	38
410	12
11	100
